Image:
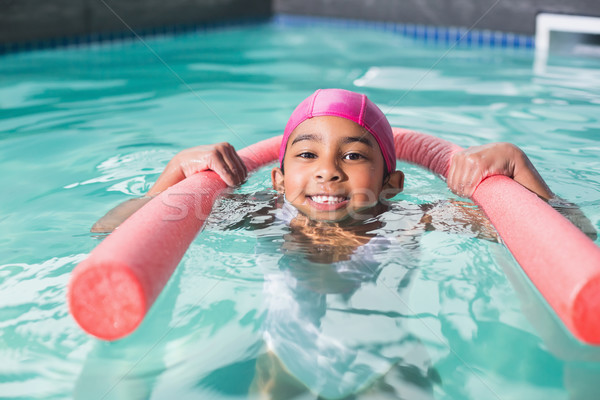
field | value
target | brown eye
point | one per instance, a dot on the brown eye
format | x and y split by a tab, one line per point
307	154
353	156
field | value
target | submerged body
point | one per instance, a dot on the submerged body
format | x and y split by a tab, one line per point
328	327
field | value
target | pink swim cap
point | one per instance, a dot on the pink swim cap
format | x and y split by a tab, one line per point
350	105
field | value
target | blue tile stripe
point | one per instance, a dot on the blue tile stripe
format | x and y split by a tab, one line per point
425	33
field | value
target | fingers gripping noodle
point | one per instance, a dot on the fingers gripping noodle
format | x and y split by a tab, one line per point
111	291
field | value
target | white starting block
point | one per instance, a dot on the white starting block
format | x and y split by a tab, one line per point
566	35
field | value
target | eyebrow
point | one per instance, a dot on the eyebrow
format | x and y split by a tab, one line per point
346	140
307	136
360	139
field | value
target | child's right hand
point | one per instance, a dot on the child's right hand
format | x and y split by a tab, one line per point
220	158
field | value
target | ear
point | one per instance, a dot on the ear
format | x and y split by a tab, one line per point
394	185
277	179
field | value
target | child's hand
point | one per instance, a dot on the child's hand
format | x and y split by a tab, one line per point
471	166
220	158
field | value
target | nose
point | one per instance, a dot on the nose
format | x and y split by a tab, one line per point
327	171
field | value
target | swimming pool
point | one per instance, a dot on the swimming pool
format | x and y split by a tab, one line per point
83	129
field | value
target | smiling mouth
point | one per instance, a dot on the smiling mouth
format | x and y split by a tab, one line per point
323	199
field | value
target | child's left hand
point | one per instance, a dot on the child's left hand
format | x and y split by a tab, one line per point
471	166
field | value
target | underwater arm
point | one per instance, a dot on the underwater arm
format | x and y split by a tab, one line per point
115	216
466	218
221	158
458	217
471	166
573	213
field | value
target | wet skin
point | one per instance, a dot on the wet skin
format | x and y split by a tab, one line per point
334	170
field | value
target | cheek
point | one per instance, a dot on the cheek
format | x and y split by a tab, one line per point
366	189
367	178
293	185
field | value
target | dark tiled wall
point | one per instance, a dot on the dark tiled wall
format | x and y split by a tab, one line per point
28	20
31	20
516	16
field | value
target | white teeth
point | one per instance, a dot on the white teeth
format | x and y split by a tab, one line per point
328	199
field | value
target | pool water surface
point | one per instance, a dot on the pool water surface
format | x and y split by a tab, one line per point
83	129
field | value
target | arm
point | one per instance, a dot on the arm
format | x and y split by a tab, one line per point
471	166
115	216
221	158
458	217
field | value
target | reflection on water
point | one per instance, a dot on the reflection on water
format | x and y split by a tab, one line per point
402	306
410	303
129	170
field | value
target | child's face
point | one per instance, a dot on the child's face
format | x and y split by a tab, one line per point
334	169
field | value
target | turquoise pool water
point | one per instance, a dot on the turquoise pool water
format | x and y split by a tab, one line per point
83	129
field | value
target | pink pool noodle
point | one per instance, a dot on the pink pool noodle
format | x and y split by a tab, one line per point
111	291
562	262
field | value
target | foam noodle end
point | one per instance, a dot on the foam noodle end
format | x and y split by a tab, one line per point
107	301
586	318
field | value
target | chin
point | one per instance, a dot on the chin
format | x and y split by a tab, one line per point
345	219
327	219
347	216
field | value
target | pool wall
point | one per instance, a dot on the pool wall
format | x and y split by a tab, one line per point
517	16
29	24
28	21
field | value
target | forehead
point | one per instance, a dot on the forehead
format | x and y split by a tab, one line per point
327	128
